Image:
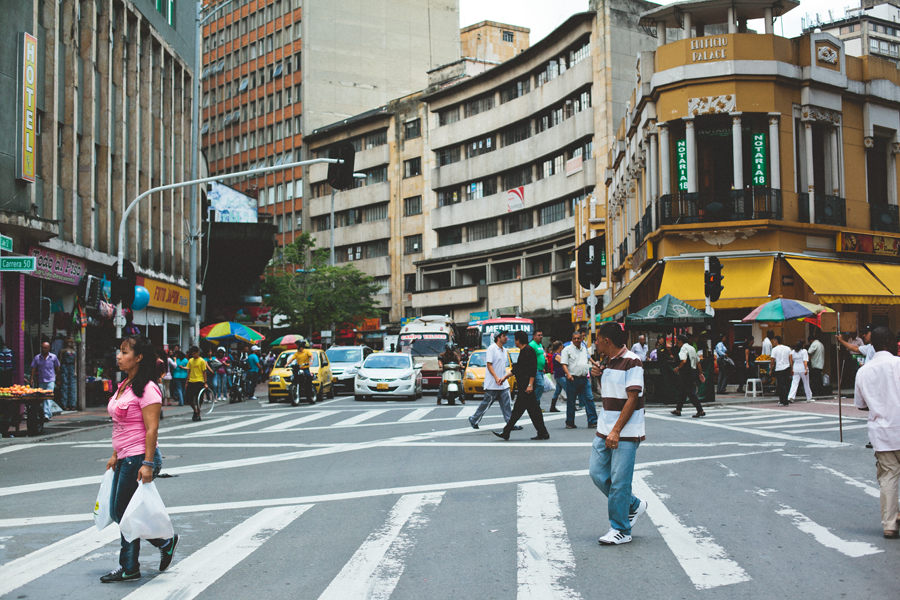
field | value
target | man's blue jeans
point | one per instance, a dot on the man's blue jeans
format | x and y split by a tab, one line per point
47	385
612	472
580	386
490	396
538	387
123	488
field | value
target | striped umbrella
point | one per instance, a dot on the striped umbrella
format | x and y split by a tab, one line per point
228	331
783	309
288	341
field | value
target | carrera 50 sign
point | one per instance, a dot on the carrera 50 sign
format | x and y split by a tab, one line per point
25	105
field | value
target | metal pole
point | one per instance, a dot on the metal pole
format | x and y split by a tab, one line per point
593	316
838	359
331	262
195	159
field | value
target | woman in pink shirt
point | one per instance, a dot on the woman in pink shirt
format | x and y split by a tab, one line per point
135	411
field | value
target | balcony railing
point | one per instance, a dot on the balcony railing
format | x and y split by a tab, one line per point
885	217
623	252
646	224
711	207
830	210
638	234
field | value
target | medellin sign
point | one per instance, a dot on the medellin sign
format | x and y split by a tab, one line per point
25	106
681	159
758	159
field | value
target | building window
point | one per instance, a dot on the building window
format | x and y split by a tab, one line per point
412	129
480	189
376	213
515	90
409	282
873	44
412	167
552	213
412	206
482	230
517	178
479	105
376	175
448	197
412	244
516	133
446	117
449	236
447	156
519	221
384	284
377	249
507	271
479	147
509	36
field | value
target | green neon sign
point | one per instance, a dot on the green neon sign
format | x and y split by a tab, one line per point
681	159
758	159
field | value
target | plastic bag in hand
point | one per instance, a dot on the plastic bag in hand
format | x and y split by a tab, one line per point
146	517
102	513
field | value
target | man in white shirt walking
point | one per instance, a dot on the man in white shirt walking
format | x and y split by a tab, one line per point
640	348
878	391
576	363
496	388
781	367
816	364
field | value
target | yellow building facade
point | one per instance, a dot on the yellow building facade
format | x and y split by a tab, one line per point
779	156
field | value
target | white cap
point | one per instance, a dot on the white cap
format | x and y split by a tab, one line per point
254	347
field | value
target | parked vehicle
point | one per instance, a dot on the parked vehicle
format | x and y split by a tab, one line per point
389	375
424	339
319	368
345	362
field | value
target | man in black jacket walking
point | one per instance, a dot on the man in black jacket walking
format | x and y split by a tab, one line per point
525	370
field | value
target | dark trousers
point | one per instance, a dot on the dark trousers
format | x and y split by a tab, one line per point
724	375
815	381
191	391
688	390
783	384
527	401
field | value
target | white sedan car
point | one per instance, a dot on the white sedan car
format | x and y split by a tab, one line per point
388	375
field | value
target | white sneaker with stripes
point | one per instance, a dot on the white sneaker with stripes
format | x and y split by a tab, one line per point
641	509
614	537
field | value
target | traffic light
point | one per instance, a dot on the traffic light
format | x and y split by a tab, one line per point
592	262
123	288
713	280
340	175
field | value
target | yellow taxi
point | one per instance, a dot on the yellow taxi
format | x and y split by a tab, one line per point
473	378
319	368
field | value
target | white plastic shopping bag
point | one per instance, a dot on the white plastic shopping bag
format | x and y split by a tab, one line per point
549	384
102	513
146	516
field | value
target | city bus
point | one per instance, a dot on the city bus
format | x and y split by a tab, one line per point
480	334
425	338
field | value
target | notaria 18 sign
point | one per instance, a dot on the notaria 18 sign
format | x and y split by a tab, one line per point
758	159
681	158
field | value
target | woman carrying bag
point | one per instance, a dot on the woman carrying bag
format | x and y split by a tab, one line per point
135	410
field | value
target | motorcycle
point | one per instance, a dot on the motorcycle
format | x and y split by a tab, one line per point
451	384
301	386
236	382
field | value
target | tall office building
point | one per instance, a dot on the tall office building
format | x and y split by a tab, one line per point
871	28
276	69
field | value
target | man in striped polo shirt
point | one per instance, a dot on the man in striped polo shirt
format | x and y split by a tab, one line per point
620	430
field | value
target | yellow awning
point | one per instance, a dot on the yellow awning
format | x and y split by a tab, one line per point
746	282
622	299
889	275
835	281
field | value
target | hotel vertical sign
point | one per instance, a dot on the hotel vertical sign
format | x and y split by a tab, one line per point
758	159
681	160
26	102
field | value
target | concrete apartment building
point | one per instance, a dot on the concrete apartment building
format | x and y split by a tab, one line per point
107	86
872	28
275	70
493	42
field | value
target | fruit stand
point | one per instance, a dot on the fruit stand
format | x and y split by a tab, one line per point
11	398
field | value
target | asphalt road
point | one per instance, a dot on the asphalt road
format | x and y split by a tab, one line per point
404	500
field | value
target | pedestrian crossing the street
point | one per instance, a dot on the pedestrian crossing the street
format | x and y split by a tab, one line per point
548	540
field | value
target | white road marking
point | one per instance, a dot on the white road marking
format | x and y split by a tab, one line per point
356	420
26	569
703	560
14	447
164	429
187	578
872	491
825	537
846	427
466	411
779	423
760	432
545	557
306	419
433	487
375	568
416	415
243	423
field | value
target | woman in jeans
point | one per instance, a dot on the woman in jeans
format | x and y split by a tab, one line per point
135	410
179	377
558	374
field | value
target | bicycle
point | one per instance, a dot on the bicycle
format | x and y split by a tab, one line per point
206	396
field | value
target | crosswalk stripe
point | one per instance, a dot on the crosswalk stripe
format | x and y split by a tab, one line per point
545	556
163	429
375	568
746	419
416	414
825	537
773	424
189	577
26	569
360	417
467	411
704	561
238	425
305	419
846	427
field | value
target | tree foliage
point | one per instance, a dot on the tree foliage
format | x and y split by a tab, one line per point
313	295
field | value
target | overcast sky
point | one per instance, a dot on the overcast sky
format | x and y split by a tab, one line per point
543	16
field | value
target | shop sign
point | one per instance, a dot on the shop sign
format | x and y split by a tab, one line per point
475	317
787	280
642	255
25	107
708	48
681	159
574	165
57	267
579	313
859	243
22	264
166	295
758	159
369	325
